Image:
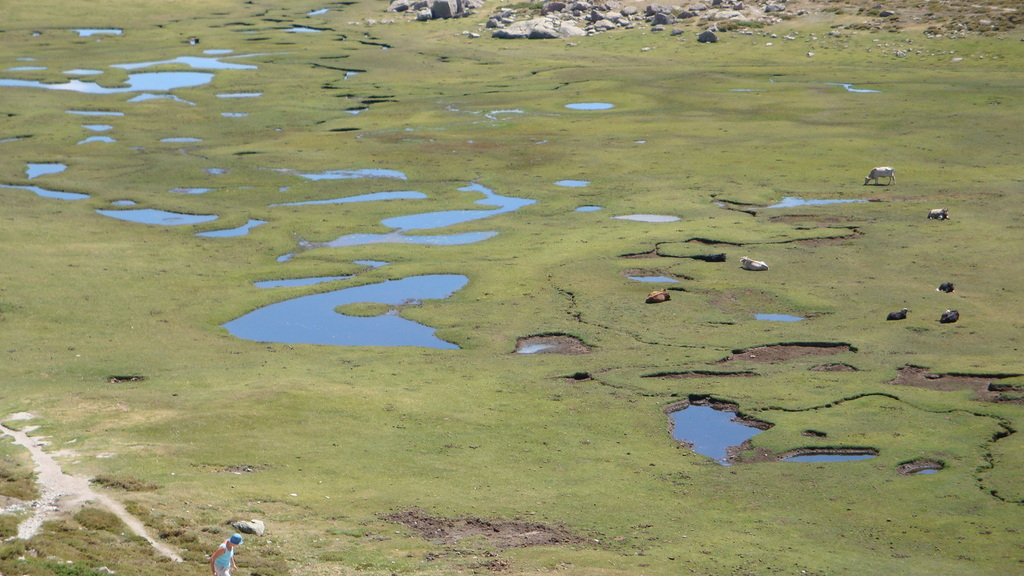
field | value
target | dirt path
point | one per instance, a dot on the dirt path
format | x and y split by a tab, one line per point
60	492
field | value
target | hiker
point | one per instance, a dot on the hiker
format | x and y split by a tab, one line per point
222	562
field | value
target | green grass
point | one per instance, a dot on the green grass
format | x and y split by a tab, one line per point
322	442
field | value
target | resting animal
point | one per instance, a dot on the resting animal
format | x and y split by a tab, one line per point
881	172
755	265
946	287
658	296
938	214
901	315
949	316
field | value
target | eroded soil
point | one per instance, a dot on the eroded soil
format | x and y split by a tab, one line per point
501	533
783	352
985	387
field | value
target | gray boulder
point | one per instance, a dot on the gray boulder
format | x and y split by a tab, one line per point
249	526
707	37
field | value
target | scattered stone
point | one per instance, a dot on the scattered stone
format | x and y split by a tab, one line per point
707	37
249	527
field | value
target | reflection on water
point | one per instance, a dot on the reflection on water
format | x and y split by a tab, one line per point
451	217
850	88
197	62
86	32
48	193
240	231
794	201
778	317
572	183
346	174
181	140
97	127
37	170
398	238
90	139
660	279
534	348
589	208
312	319
156	81
590	106
160	217
710	431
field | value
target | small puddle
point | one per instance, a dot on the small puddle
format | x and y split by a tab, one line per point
303	30
183	190
590	106
313	320
37	170
446	218
142	82
810	456
197	62
647	218
123	203
82	72
87	32
405	195
572	183
850	88
240	95
534	348
347	174
97	127
48	193
778	317
234	114
711	432
91	139
94	113
181	140
240	231
26	69
159	217
793	201
658	279
589	208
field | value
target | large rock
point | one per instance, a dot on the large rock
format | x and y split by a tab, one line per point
249	526
707	37
538	29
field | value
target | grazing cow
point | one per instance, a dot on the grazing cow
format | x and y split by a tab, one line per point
946	287
938	214
901	315
755	265
658	296
949	316
881	172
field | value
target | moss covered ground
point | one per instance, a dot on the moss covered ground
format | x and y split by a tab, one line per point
111	330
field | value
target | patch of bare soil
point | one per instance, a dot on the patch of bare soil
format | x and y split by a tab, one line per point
555	344
783	352
908	468
984	386
498	532
803	219
836	367
702	374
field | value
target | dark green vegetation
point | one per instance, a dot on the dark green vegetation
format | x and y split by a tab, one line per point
111	330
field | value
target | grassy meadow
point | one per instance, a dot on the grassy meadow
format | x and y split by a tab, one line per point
112	339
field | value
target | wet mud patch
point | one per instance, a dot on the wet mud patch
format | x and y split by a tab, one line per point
834	367
985	387
805	219
827	454
551	344
123	379
782	352
923	466
500	533
702	374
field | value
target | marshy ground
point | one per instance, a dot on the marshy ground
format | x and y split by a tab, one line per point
168	169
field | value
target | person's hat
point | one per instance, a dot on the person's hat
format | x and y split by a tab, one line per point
236	539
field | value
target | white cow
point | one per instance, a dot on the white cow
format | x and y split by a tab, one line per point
881	172
755	265
938	214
